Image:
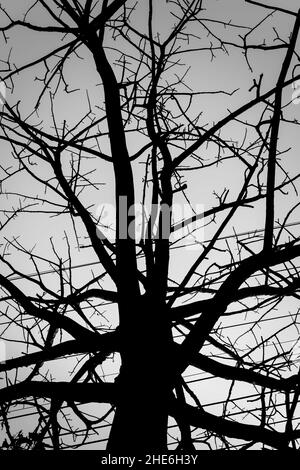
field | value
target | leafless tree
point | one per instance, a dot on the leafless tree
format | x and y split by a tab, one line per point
162	338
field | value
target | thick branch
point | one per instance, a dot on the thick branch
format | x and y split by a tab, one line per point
59	321
227	372
269	223
106	343
248	432
187	310
225	295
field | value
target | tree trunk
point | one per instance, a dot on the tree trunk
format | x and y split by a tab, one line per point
141	418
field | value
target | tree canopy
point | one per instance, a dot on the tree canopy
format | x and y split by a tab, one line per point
149	225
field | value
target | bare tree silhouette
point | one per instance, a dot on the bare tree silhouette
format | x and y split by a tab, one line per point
197	332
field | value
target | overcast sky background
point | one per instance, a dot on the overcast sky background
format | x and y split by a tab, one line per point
225	72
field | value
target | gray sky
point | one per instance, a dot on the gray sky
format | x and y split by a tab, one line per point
226	72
